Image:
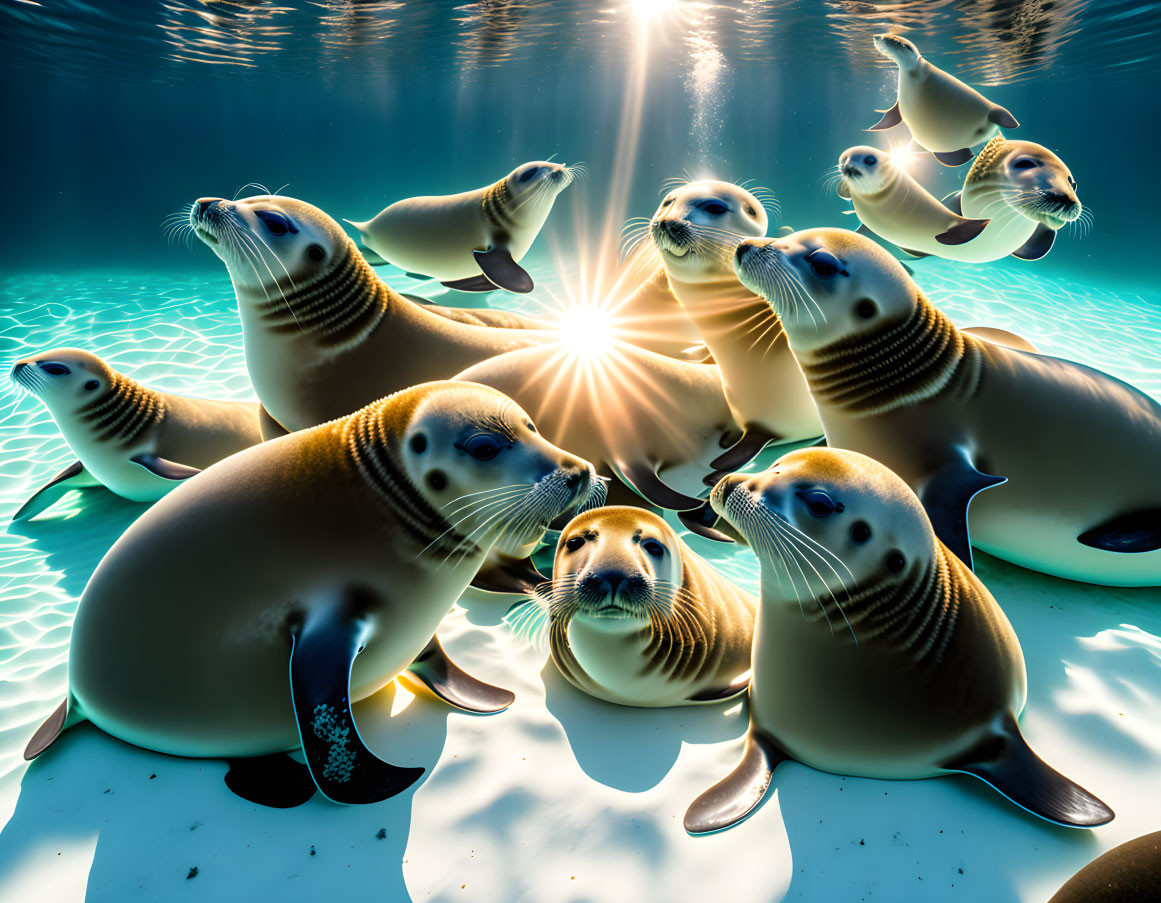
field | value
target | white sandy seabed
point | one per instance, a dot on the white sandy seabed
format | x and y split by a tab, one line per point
562	797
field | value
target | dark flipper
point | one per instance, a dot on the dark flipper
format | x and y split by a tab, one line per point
891	117
46	735
276	781
643	480
271	428
730	800
701	521
72	477
952	203
1134	531
963	232
914	253
169	470
508	575
754	439
479	283
455	686
954	158
497	264
322	652
946	497
1003	118
416	275
1038	245
716	694
1005	761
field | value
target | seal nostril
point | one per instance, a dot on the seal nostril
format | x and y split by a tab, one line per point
743	249
204	204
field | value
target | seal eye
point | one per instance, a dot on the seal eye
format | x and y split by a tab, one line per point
819	503
1025	163
824	264
866	309
528	173
717	208
654	548
276	223
419	443
860	532
870	159
436	480
750	211
316	252
895	561
91	385
1072	183
667	202
531	426
482	447
55	369
575	543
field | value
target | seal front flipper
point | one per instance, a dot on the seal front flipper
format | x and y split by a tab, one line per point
271	428
501	574
168	470
954	158
1004	760
946	496
276	781
733	798
643	480
497	264
754	439
1038	245
891	117
479	283
455	686
72	477
962	232
63	717
703	521
1131	532
322	651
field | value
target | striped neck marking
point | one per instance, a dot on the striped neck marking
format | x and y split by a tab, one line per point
124	412
497	205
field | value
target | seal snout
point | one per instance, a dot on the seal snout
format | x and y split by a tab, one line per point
202	217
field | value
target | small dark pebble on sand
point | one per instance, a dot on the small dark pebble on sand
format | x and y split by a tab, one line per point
312	849
381	834
193	873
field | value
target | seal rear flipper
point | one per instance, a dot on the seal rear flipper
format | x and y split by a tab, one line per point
63	717
962	232
323	649
891	117
455	686
754	439
955	157
1038	245
916	254
733	798
643	479
952	202
168	470
72	477
497	264
1131	532
271	428
276	781
946	496
703	521
500	574
1001	117
479	283
1005	761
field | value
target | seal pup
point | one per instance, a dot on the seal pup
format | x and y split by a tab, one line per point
1129	873
943	114
877	652
890	203
696	228
636	617
131	439
323	334
1075	449
472	241
243	614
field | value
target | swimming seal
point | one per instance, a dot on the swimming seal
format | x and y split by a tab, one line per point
471	241
878	653
943	114
636	617
1075	450
324	335
133	440
243	614
696	228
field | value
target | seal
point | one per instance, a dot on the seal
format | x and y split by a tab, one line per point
324	335
653	421
696	228
943	114
651	317
878	653
243	614
472	241
1129	873
636	617
1074	449
135	441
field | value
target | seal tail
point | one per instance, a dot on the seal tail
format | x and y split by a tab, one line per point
65	716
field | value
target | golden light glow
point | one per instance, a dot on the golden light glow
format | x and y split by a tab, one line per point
901	156
652	9
402	698
586	330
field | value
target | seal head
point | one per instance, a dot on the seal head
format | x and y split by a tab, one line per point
698	224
